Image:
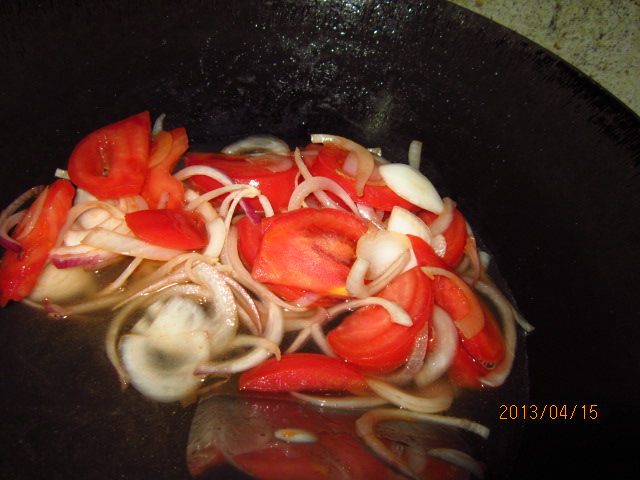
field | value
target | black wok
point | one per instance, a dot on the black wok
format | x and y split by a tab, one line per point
542	161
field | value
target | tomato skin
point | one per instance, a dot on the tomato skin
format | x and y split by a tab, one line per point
310	249
296	372
159	185
425	255
112	161
328	163
276	186
19	272
169	228
369	340
455	235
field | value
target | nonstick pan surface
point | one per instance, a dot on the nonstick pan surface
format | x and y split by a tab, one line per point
541	160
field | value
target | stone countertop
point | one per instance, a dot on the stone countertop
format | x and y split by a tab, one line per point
599	37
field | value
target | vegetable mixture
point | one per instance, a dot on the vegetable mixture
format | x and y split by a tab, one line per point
326	272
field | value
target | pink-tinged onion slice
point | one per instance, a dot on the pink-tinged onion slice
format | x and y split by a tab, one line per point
126	245
409	184
365	163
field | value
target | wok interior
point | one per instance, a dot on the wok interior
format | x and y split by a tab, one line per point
538	158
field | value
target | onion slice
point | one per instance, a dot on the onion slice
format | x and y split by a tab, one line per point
257	145
409	184
364	157
445	338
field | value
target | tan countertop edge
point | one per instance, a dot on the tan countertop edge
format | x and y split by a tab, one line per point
601	38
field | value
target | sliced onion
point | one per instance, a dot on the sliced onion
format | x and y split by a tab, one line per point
499	374
158	125
439	245
365	158
126	245
381	248
58	285
444	219
415	154
81	256
396	313
437	399
6	241
415	361
459	459
409	184
345	402
445	342
161	367
314	184
273	331
257	145
402	220
32	215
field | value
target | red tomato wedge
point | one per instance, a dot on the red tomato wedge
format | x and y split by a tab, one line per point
161	189
273	175
370	340
112	161
296	372
455	235
169	228
328	163
458	300
311	249
425	256
19	272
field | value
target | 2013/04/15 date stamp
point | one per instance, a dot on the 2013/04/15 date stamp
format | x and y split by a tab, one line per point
549	412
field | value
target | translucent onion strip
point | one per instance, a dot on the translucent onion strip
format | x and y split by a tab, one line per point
444	219
437	399
365	158
307	187
8	242
346	402
396	313
322	197
459	459
415	154
445	340
498	375
126	245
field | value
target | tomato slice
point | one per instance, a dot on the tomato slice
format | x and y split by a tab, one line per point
328	163
311	249
455	235
112	161
425	256
458	300
169	228
370	340
296	372
258	172
19	272
161	189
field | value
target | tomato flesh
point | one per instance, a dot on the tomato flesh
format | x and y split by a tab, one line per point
425	255
19	272
169	228
161	189
328	163
296	372
455	235
370	340
310	249
276	186
112	161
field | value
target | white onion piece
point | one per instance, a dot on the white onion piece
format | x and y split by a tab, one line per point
257	144
345	402
459	459
445	217
81	255
355	280
224	324
59	285
445	338
314	184
365	158
396	313
409	184
158	125
402	220
161	367
273	331
204	170
381	248
436	400
126	245
415	154
61	173
499	374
